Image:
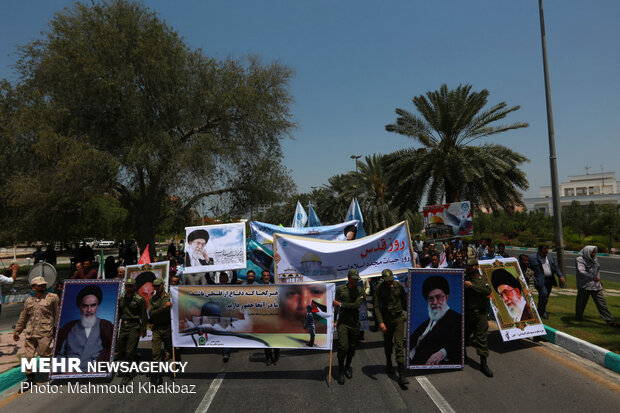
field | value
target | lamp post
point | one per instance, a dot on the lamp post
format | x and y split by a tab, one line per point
355	158
557	211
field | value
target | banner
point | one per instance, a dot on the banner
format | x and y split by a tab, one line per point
248	316
211	248
435	325
262	232
448	220
259	258
93	302
302	259
511	299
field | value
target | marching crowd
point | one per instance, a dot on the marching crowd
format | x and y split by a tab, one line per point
39	316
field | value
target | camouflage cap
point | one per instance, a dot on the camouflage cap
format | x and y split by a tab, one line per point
472	262
354	274
130	281
38	281
158	282
387	275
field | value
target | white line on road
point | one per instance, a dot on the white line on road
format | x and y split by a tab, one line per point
206	401
434	394
611	272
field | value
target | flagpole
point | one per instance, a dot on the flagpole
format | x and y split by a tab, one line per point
329	375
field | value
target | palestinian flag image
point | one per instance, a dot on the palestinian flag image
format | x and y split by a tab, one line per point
319	312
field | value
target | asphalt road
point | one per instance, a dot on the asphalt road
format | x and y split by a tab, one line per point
610	266
529	377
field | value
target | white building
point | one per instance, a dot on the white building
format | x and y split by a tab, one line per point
600	188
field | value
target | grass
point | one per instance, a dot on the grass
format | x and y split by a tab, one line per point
592	328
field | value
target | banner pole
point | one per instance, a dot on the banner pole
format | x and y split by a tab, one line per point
173	360
329	377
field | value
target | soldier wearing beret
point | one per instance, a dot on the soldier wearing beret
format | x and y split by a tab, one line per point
132	313
347	302
38	318
477	292
159	312
390	303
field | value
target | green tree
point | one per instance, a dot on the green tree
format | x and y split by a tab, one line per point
446	166
114	79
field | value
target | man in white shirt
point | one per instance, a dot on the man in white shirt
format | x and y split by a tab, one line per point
8	277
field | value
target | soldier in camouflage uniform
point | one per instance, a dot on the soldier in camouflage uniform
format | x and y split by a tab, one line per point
159	312
347	302
390	301
477	291
38	319
132	313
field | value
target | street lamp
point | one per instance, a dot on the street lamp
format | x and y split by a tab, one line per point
355	158
557	210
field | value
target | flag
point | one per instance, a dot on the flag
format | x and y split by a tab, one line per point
313	219
101	272
355	212
145	258
300	218
319	312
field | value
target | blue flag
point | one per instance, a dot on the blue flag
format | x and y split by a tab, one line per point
313	219
300	218
355	212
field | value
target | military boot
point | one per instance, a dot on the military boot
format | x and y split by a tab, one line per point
484	368
340	371
348	370
389	369
30	380
402	375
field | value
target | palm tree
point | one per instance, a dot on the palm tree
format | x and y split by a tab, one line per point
447	167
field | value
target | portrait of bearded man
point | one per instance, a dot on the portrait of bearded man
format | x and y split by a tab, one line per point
438	339
510	291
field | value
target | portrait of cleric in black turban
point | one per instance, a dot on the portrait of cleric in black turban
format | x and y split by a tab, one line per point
436	319
510	297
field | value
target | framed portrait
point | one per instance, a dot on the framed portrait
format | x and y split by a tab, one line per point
210	248
435	323
511	299
86	324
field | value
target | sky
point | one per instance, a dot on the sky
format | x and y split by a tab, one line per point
356	61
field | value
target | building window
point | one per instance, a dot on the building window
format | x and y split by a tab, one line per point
582	191
569	192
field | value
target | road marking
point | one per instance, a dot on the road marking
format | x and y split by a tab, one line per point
611	272
206	401
435	396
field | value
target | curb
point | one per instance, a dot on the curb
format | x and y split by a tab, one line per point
10	378
592	352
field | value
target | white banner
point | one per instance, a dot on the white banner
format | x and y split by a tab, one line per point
262	232
303	259
214	248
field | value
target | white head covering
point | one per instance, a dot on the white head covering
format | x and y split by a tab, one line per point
586	253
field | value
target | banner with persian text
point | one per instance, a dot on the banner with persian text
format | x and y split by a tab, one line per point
302	259
278	316
262	232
